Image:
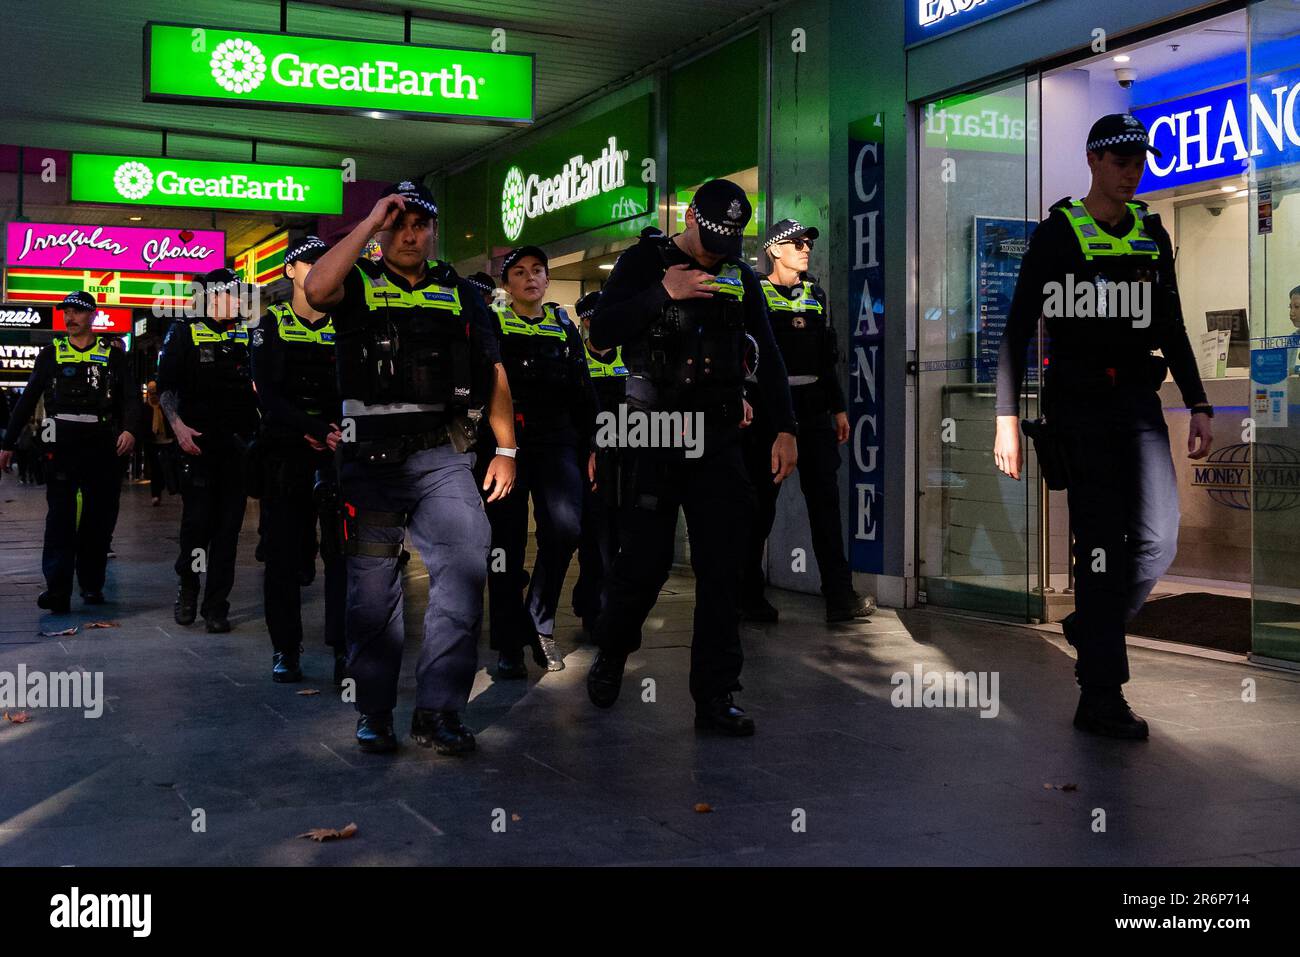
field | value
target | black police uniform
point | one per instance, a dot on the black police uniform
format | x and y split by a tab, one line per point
295	372
802	330
685	355
91	398
1101	399
206	364
599	540
413	360
555	411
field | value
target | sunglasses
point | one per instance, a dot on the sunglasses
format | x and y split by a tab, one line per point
798	244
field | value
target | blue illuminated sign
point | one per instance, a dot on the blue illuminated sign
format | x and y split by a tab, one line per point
927	19
1216	133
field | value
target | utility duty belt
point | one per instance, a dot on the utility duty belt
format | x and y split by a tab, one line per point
459	431
1147	372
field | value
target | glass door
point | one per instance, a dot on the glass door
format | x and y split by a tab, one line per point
1273	85
978	198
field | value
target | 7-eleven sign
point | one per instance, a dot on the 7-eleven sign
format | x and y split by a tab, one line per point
110	288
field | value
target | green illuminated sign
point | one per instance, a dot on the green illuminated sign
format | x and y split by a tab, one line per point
588	176
205	184
294	72
984	122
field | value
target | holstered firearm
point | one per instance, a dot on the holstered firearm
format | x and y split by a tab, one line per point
327	493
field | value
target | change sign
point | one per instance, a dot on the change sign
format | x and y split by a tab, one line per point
205	184
295	72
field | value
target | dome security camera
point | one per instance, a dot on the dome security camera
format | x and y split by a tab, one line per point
1125	76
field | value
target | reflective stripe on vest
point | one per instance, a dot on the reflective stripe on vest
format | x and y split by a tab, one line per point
1094	242
65	352
803	302
600	369
728	281
380	294
292	329
200	333
511	324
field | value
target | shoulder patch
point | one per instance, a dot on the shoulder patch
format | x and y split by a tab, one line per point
257	338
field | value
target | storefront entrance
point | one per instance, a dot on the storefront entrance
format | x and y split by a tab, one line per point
1215	95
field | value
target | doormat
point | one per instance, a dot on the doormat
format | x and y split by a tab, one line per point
1197	618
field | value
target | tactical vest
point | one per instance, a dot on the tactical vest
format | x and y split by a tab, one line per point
82	386
693	353
538	357
799	325
219	386
1094	242
310	369
412	346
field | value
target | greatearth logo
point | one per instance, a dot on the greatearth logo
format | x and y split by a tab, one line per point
238	66
512	204
133	180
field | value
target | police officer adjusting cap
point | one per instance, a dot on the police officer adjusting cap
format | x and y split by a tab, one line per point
722	211
788	229
1121	133
79	300
481	281
586	306
518	253
416	196
309	249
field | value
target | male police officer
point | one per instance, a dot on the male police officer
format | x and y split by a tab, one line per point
598	542
416	354
94	413
1101	404
555	413
297	389
801	326
206	381
681	307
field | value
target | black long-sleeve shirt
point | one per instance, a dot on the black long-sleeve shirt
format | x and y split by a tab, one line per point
828	373
635	294
1053	254
270	368
127	414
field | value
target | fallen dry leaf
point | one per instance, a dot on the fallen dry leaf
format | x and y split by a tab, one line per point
59	634
703	808
18	717
329	833
308	691
102	624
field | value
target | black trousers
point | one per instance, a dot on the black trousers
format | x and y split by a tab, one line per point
289	519
819	458
715	494
598	542
1123	499
157	452
88	464
552	476
212	513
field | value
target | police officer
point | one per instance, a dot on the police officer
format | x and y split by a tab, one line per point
206	383
680	307
93	412
1101	404
598	542
484	284
801	326
555	411
297	390
416	354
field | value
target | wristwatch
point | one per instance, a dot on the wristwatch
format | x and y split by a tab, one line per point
1203	408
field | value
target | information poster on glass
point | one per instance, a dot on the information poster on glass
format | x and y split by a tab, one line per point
1000	245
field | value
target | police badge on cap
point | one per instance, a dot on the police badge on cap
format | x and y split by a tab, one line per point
79	300
721	211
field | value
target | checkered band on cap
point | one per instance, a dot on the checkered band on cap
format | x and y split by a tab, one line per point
308	245
794	229
78	300
1135	137
413	198
722	229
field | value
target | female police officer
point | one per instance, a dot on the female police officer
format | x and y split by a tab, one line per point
555	409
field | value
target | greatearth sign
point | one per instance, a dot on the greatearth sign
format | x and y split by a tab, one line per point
296	72
205	184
